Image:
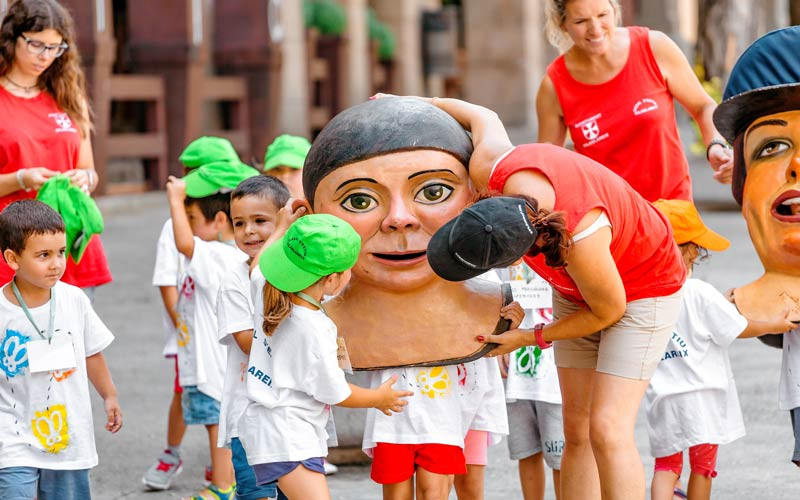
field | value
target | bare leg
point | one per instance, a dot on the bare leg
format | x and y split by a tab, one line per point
663	486
302	483
469	486
699	487
531	477
176	428
221	462
432	486
399	491
615	403
579	477
557	483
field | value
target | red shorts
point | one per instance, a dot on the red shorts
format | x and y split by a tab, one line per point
702	460
395	463
177	388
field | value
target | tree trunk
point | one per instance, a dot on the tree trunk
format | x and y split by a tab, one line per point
712	35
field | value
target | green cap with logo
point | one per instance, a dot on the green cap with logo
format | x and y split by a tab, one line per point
207	149
286	151
313	247
218	177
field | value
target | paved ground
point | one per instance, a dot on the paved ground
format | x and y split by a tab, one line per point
756	466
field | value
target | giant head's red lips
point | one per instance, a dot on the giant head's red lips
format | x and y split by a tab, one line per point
787	206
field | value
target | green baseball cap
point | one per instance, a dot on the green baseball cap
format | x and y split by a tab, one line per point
205	150
313	247
286	151
217	177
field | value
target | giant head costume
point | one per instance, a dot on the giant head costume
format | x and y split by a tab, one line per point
760	116
396	170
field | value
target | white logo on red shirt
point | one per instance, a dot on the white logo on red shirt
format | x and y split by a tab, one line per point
644	106
63	121
591	130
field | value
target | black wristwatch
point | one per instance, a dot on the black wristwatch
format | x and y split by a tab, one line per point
713	143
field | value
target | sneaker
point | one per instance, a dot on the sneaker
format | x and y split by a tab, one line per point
160	475
214	493
329	468
207	477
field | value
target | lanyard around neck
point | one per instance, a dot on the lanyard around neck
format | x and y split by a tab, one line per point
27	311
311	300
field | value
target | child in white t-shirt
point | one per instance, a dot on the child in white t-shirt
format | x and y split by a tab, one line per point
51	344
254	210
692	402
200	209
293	374
536	429
166	272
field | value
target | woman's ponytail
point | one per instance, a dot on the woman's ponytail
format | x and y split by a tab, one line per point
555	239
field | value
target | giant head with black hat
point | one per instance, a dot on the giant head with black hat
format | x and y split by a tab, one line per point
395	168
760	117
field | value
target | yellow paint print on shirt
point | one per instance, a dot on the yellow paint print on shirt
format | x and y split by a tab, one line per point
50	427
434	382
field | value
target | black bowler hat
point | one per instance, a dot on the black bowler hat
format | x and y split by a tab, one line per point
764	81
492	233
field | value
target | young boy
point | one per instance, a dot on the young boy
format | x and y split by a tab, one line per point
200	209
254	209
284	159
51	346
536	432
168	268
691	402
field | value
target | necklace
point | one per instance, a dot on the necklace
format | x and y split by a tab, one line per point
25	89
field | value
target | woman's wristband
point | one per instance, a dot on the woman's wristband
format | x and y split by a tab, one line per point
540	341
713	143
21	181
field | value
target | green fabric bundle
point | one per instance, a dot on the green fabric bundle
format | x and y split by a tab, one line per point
82	218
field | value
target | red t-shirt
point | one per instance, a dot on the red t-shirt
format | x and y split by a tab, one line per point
628	123
647	258
35	132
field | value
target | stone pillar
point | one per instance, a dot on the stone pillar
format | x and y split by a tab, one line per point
506	56
403	17
357	53
293	113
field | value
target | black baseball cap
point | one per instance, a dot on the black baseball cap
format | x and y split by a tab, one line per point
492	233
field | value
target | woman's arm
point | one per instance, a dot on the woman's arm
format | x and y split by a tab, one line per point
29	178
489	137
686	88
552	128
84	174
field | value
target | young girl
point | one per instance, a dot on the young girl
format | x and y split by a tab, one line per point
293	374
692	402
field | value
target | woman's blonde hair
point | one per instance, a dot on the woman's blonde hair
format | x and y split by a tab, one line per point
64	79
555	15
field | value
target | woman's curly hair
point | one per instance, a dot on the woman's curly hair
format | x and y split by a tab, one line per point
64	79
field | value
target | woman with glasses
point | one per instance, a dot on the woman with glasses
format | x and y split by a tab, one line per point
45	127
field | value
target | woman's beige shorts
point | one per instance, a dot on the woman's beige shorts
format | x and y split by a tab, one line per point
631	347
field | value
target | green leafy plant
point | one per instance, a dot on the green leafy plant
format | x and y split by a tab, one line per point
326	16
382	35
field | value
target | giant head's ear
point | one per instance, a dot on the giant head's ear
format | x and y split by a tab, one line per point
11	258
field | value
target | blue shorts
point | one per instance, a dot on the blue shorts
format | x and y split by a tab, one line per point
246	487
795	414
269	473
20	483
198	408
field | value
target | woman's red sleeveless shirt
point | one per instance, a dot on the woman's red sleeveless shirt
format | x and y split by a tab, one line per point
642	245
628	123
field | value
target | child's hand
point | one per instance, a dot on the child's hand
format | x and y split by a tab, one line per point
293	210
783	324
514	313
114	414
389	399
176	189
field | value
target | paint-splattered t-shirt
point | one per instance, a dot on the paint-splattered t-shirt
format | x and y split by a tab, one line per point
46	417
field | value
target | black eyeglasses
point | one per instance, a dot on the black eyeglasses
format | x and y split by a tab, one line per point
36	48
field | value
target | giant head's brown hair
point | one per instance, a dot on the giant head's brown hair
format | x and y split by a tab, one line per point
64	79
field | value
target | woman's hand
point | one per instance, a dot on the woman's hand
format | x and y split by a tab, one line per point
34	178
84	178
508	341
720	159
